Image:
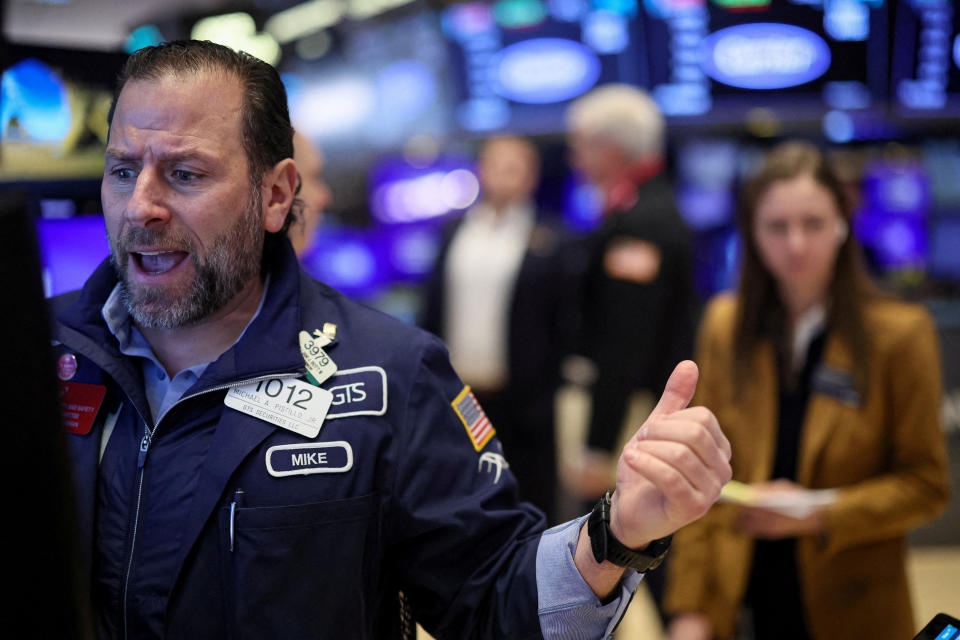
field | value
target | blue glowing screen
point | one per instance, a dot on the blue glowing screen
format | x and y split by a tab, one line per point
35	96
70	250
545	70
400	192
765	55
349	260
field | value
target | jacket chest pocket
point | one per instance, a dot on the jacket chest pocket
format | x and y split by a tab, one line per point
298	570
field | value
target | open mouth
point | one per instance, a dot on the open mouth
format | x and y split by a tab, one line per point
157	262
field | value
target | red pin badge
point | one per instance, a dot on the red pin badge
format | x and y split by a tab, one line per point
67	366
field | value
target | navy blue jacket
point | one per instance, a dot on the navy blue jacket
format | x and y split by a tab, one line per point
402	502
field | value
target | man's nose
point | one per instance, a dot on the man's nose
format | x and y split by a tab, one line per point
147	205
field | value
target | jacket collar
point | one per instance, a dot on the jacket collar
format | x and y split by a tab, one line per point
822	416
622	193
264	348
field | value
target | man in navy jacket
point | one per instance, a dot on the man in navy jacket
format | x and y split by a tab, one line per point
257	456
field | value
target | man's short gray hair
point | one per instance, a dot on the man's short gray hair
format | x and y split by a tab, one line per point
623	115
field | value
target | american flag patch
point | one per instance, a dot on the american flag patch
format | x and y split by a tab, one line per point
475	421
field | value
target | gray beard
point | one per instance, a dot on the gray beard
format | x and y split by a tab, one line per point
232	262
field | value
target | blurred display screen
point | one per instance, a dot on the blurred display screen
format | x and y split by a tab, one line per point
716	260
944	256
53	113
367	89
399	191
926	58
365	263
795	57
70	250
892	222
517	63
705	182
349	260
941	162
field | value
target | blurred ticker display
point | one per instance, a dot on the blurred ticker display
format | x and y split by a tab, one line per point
396	94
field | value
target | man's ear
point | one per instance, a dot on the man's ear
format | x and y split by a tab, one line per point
278	189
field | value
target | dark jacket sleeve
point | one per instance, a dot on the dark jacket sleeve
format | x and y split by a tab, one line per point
464	547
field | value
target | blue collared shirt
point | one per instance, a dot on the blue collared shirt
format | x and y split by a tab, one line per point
161	390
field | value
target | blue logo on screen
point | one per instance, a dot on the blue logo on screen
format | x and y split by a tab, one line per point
765	55
949	633
544	70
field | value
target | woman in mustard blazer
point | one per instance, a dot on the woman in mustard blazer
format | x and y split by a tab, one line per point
820	382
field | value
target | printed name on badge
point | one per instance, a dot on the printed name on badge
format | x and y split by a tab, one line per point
286	402
320	366
307	459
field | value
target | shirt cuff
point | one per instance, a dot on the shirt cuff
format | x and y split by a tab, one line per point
567	607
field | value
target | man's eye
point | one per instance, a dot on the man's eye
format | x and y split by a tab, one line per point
182	175
122	174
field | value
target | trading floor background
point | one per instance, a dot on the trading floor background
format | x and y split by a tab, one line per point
398	94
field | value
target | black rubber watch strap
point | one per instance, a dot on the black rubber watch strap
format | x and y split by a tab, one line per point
605	545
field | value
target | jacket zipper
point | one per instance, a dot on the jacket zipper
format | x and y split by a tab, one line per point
142	460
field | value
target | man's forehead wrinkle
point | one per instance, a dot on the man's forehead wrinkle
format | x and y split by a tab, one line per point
190	123
165	148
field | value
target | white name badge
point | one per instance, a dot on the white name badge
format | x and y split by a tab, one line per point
320	365
286	402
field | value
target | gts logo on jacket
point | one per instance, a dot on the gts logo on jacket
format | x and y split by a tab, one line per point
358	392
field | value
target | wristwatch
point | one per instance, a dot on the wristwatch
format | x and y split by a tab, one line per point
605	546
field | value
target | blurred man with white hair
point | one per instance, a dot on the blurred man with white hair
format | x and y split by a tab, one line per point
638	303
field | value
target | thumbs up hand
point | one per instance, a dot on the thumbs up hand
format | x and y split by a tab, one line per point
672	469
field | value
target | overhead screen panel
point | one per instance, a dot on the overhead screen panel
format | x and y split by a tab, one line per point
518	63
799	58
926	60
53	113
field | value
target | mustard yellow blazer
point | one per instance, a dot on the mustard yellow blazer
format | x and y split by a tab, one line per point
884	452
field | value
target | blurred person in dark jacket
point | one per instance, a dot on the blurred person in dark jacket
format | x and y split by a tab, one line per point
495	299
637	303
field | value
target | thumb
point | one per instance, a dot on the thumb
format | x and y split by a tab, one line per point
679	390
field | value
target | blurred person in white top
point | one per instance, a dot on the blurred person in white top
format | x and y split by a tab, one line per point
495	299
